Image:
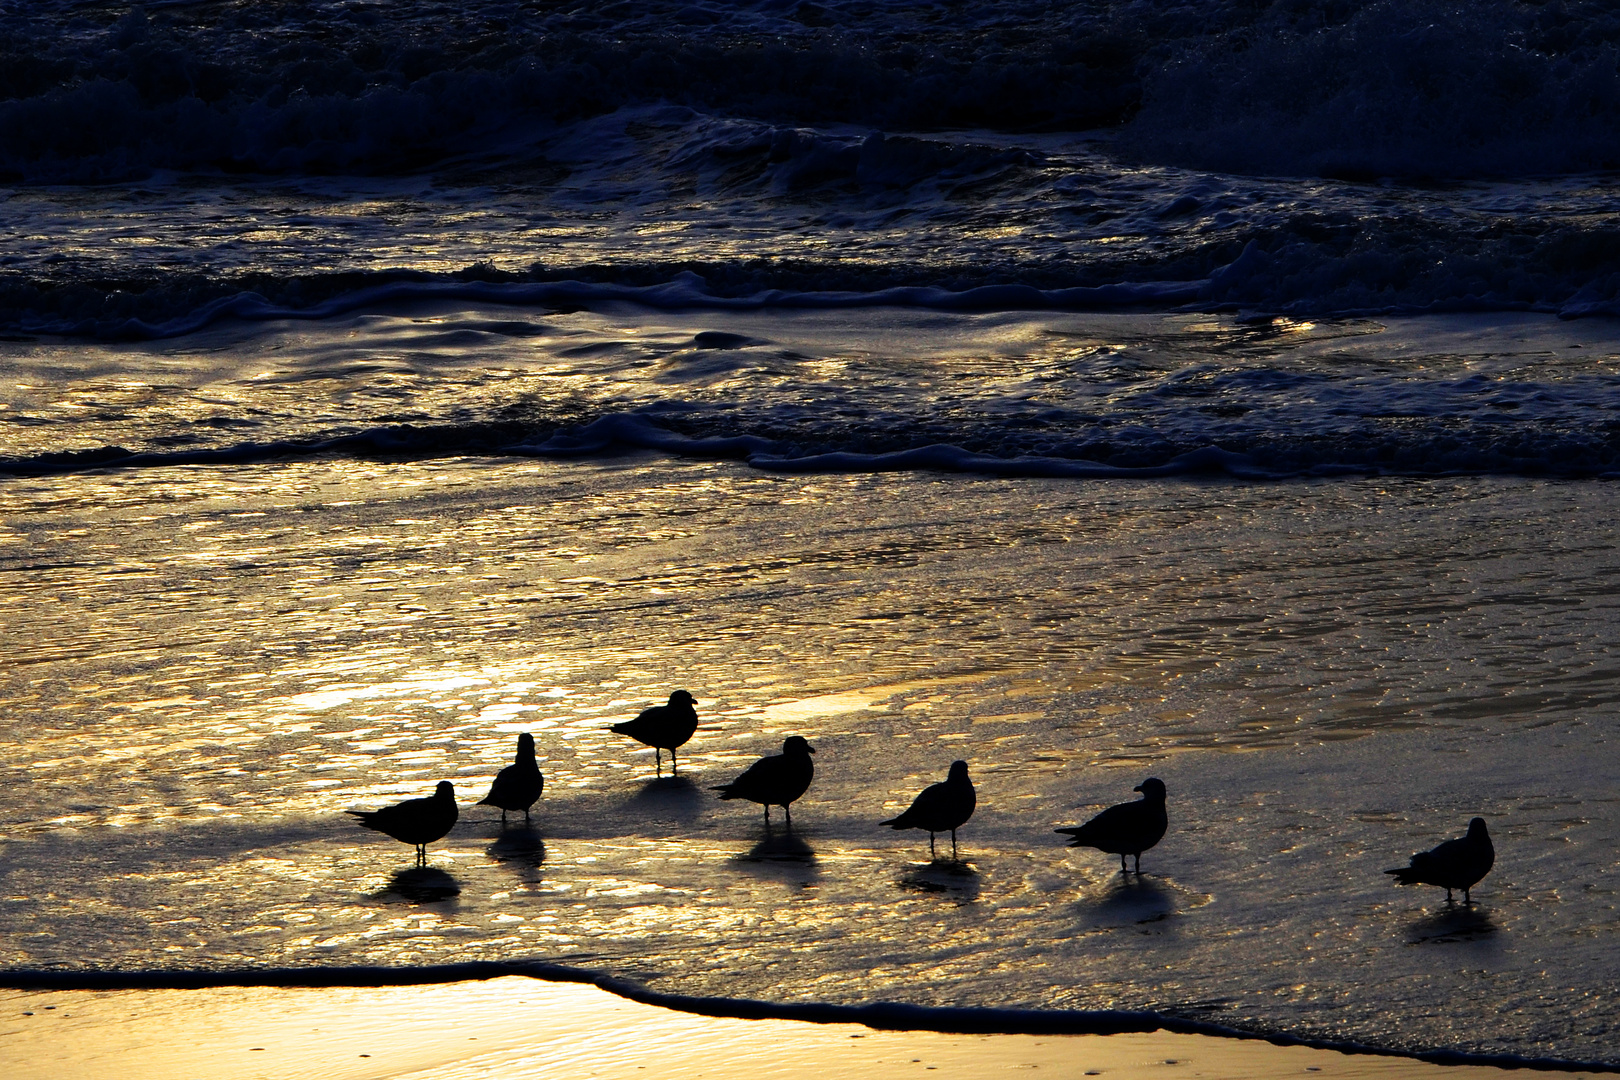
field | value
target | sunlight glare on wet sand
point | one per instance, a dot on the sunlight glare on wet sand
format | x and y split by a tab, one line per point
520	1028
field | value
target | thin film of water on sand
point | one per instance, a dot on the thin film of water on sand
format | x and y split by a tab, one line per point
211	665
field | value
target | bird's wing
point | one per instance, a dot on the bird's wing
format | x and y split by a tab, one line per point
1450	851
927	805
758	778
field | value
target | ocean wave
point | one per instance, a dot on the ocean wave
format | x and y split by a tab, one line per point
1433	89
1303	269
686	290
882	1016
1319	87
1181	444
291	89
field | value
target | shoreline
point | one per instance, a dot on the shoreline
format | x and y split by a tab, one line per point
512	1026
475	979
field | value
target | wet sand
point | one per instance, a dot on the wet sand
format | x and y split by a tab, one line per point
517	1027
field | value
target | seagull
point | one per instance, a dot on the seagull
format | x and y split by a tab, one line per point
415	821
1127	829
517	786
664	727
775	780
940	807
1455	864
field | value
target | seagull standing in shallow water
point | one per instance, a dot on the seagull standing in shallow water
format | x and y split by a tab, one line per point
664	727
1127	829
415	821
775	780
517	786
1455	864
940	807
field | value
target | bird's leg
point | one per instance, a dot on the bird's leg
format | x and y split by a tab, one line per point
953	846
1122	867
1139	863
525	815
658	760
767	807
674	766
1466	898
1449	900
788	810
931	854
503	817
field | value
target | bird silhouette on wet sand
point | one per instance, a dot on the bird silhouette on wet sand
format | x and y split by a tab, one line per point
775	780
1455	864
517	786
664	727
940	807
415	821
1127	829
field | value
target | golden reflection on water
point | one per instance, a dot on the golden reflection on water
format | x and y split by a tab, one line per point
210	665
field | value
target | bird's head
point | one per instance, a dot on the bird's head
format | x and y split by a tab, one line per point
795	744
958	770
1152	789
445	790
681	697
526	744
1476	829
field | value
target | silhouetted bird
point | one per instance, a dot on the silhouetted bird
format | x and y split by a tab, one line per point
1127	829
1455	864
940	807
664	727
775	780
517	786
415	821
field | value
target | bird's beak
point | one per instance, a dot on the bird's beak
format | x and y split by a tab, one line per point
1138	787
810	748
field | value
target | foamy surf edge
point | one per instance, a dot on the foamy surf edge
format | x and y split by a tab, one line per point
882	1016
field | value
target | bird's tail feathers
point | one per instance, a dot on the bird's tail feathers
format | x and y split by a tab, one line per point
1404	875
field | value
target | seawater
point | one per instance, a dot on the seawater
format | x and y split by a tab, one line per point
1087	392
208	662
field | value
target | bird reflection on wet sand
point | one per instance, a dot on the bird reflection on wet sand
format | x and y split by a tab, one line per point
522	846
1457	923
959	880
420	885
669	801
1128	900
785	856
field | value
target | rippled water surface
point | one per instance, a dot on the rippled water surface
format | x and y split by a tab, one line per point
207	665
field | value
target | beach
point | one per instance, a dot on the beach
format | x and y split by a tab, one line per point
517	1027
1076	400
1320	675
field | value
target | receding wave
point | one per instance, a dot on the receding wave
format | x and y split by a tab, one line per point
889	1016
